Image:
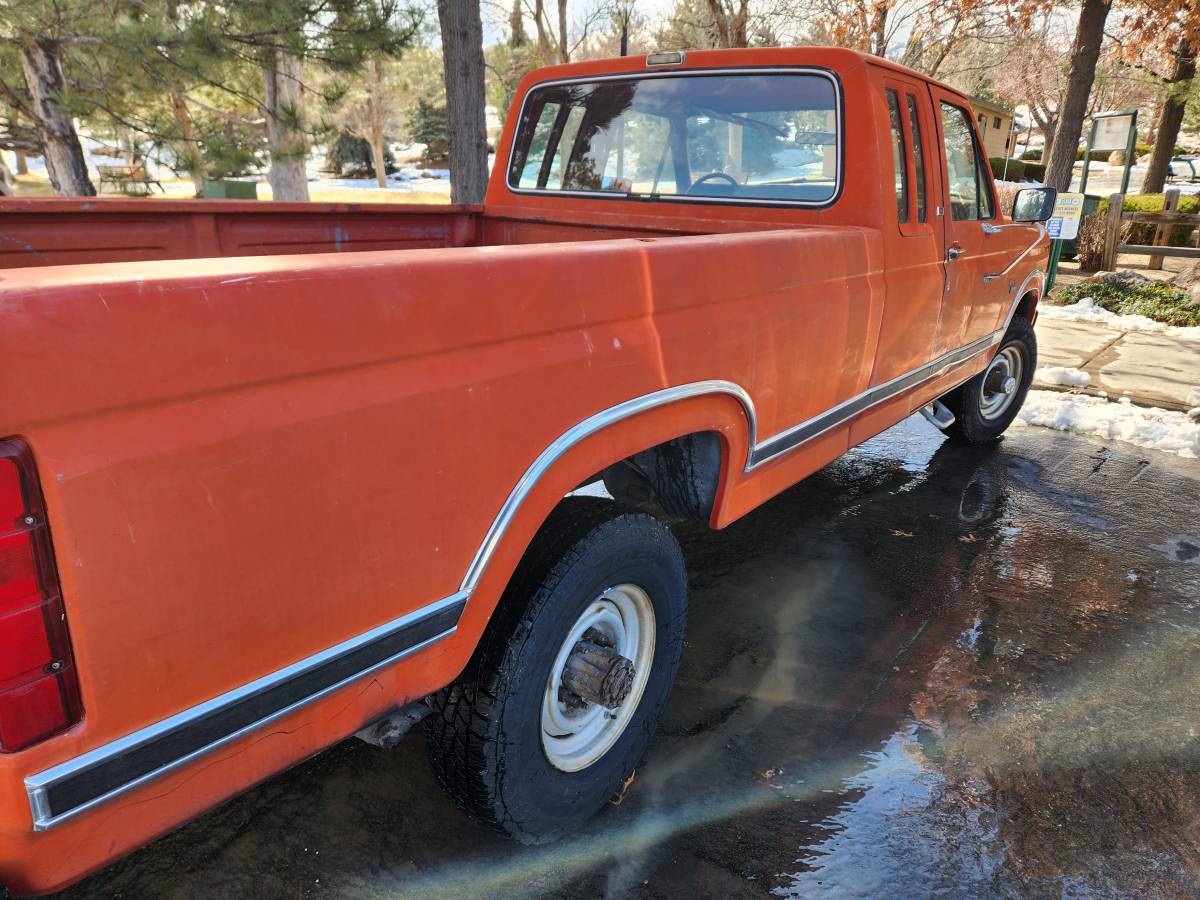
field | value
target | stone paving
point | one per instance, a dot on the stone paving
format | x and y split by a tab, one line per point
1151	369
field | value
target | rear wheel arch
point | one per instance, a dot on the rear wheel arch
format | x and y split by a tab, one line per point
679	478
723	412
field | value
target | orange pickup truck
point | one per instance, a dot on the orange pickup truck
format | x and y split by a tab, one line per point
275	474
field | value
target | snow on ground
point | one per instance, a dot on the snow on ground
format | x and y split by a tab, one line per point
1086	310
1156	429
408	178
1064	375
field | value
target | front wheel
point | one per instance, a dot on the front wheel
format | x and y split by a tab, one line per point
986	405
561	697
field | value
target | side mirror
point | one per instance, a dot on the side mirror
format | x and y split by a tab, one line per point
1034	204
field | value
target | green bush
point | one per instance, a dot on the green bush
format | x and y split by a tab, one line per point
350	157
1141	148
1097	155
1032	154
1015	171
1035	171
428	125
1157	300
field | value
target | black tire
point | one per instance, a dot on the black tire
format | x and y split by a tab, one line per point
484	736
966	402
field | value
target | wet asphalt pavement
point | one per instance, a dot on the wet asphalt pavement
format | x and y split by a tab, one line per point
925	671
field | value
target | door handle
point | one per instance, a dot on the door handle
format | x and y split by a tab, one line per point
954	251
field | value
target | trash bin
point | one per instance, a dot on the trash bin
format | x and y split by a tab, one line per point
226	189
1091	203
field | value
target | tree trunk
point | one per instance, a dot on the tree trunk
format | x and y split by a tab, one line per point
65	162
22	165
564	52
1170	117
462	63
285	136
1082	73
375	106
543	38
740	30
1048	145
516	24
731	23
878	40
193	157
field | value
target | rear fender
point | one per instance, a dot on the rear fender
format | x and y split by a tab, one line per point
576	458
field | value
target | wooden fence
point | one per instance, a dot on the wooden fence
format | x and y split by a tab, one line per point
1169	218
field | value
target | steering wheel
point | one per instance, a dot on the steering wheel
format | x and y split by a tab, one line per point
709	177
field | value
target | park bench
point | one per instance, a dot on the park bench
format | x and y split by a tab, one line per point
1182	168
128	179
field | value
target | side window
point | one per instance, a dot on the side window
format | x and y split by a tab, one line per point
970	196
899	164
914	123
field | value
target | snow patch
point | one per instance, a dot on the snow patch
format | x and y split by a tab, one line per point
1194	396
1086	310
1064	375
1156	429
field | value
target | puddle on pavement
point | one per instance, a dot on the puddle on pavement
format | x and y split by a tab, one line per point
926	671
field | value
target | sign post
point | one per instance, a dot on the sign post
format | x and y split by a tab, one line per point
1063	225
1111	131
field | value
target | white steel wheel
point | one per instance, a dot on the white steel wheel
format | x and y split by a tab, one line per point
579	728
999	386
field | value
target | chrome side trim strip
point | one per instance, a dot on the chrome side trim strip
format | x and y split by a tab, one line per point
1037	275
760	453
838	415
579	432
73	787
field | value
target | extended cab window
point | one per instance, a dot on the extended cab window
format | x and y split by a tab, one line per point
751	137
970	196
914	122
899	161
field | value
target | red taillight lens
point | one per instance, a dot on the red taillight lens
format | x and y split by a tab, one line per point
39	695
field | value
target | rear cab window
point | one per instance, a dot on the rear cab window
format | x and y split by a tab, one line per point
711	136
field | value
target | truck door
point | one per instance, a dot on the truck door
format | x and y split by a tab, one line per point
975	244
913	236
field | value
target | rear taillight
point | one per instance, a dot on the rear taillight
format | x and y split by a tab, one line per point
39	694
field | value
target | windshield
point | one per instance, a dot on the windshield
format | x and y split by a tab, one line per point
751	137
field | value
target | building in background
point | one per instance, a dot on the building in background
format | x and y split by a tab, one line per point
995	126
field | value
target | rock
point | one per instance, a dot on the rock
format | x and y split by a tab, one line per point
1186	277
1116	158
1122	278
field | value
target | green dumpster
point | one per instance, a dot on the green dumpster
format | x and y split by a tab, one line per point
226	189
1090	204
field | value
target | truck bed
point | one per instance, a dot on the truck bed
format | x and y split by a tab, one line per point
41	232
